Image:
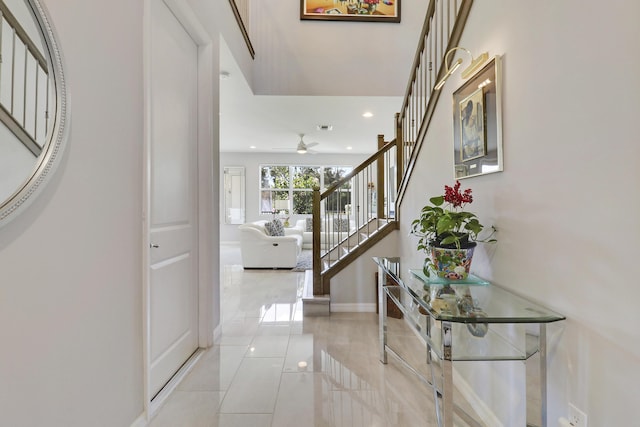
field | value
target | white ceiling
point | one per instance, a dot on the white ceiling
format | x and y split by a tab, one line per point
310	73
268	122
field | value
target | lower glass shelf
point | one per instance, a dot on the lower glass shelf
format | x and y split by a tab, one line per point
499	342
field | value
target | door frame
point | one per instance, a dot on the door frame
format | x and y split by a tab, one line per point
206	193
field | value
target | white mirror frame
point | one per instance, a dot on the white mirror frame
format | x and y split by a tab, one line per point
58	132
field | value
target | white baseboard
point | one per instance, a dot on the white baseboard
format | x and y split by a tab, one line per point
173	383
353	308
141	421
466	391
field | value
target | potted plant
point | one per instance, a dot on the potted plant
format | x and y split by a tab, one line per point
448	233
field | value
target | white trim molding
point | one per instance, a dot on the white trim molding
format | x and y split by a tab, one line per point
141	421
353	308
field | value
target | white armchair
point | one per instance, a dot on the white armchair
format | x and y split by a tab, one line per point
259	250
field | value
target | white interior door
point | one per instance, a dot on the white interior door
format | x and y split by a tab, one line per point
173	287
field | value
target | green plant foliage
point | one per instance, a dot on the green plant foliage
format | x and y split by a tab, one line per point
304	178
444	223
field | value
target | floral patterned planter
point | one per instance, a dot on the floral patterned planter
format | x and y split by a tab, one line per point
451	264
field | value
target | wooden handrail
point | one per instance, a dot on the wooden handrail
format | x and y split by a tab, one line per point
372	207
388	146
243	27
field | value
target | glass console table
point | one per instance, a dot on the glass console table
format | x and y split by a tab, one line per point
470	320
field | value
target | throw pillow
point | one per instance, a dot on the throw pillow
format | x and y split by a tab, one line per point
274	228
340	224
308	224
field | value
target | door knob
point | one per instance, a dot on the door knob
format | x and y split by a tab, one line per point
153	245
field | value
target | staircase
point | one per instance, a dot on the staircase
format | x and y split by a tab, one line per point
370	196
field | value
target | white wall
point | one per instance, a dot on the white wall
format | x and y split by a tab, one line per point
302	57
70	294
354	289
217	18
567	204
252	162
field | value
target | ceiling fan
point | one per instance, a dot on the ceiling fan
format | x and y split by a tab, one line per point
302	147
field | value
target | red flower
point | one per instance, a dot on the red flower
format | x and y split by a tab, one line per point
372	1
455	197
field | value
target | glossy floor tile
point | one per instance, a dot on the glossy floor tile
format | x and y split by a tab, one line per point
271	367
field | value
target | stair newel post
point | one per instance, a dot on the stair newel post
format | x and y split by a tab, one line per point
317	268
399	164
399	153
380	185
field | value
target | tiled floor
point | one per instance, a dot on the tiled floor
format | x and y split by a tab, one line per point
272	367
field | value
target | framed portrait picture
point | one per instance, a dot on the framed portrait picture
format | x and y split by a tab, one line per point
472	138
351	10
477	123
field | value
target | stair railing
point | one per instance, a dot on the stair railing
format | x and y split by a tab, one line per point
441	31
390	168
240	10
352	210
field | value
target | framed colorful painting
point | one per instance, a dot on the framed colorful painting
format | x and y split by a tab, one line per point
351	10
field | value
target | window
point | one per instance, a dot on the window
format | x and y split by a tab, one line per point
274	185
337	201
305	178
296	183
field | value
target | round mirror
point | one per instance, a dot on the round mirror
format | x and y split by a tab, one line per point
33	105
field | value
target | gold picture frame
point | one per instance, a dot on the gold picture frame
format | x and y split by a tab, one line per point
351	10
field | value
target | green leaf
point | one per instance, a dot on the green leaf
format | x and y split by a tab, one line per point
437	200
445	223
449	240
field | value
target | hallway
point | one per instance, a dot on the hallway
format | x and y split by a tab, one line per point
271	367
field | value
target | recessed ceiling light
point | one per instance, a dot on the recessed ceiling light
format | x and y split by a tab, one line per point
253	147
349	148
367	114
324	127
